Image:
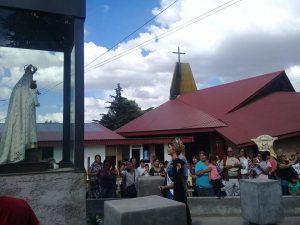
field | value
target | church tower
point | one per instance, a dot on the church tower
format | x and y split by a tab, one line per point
183	79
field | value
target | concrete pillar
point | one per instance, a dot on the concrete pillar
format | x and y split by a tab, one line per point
261	201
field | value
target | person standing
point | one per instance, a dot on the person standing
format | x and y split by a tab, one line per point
214	176
156	170
192	174
294	186
231	167
121	185
175	186
108	181
94	178
204	186
146	172
285	172
245	164
273	172
134	162
263	167
141	168
130	176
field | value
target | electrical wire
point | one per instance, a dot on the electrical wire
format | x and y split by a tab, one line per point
167	33
45	90
133	32
158	37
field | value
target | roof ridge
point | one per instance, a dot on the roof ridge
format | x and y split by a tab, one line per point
246	79
258	91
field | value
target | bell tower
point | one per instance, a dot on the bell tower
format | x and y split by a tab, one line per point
183	79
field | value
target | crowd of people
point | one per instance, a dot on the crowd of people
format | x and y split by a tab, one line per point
205	175
108	181
220	177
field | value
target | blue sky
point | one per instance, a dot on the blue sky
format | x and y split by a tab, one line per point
109	21
246	38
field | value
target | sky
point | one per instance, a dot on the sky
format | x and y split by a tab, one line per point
224	41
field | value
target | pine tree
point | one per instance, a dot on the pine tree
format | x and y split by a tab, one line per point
120	111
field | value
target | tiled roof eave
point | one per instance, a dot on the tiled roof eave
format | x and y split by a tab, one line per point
164	132
251	143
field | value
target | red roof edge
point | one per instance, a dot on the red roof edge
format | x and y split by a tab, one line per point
279	138
162	132
153	140
156	140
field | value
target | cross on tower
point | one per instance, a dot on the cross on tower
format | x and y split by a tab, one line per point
179	53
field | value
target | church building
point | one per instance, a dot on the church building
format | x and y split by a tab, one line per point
225	115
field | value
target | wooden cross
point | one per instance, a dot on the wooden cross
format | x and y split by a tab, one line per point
179	53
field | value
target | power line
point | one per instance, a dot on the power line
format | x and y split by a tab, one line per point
131	33
51	88
46	90
167	33
4	102
163	35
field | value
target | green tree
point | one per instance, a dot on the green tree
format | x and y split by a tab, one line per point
120	111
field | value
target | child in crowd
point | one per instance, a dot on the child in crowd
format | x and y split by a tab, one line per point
294	186
146	171
214	176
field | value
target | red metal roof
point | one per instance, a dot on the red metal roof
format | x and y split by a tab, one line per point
219	100
171	116
101	133
238	110
199	109
206	110
92	131
50	134
275	115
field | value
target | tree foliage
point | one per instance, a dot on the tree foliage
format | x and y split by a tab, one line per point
120	111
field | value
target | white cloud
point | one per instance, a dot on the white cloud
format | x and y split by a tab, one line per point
294	75
168	16
50	66
4	93
49	77
247	39
54	117
105	8
93	108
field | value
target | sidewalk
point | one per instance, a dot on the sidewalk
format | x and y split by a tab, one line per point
290	220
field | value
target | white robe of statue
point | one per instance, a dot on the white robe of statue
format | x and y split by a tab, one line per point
19	131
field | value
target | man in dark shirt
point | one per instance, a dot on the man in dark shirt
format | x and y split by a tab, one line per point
286	172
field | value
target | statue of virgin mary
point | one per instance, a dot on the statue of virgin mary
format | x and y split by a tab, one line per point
19	131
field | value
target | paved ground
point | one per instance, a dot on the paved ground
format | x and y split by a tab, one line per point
291	220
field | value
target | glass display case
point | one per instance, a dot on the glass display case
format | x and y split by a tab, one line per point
50	38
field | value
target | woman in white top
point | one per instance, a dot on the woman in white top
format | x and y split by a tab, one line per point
245	164
130	176
263	167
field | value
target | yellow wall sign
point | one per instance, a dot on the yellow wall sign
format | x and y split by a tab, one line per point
265	143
